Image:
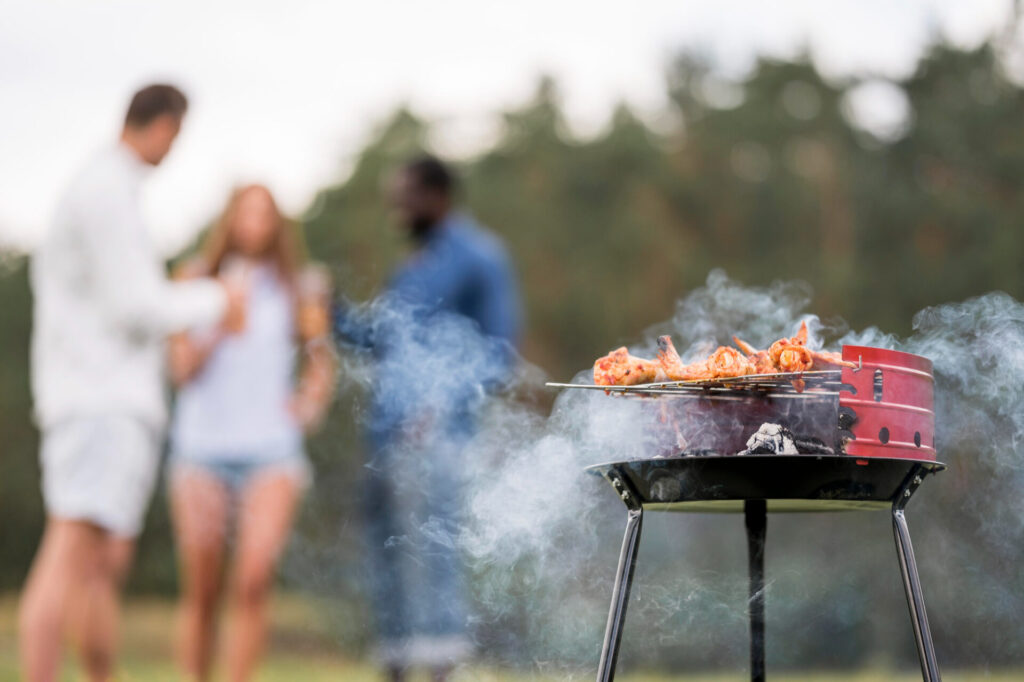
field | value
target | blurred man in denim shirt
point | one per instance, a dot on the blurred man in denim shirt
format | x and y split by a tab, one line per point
442	336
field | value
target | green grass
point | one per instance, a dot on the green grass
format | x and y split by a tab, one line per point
302	651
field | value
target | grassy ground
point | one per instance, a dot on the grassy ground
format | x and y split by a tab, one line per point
303	651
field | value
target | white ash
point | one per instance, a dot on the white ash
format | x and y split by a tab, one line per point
776	439
771	439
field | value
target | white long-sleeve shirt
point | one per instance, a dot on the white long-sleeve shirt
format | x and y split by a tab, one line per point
103	304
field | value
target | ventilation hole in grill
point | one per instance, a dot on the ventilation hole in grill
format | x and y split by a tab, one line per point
883	435
917	438
847	418
878	385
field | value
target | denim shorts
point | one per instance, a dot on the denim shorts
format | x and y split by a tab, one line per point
235	474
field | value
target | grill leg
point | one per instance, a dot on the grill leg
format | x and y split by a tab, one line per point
620	596
915	597
756	516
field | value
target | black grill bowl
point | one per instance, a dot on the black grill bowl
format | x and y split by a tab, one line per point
789	483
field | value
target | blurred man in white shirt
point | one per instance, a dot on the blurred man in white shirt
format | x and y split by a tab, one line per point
103	309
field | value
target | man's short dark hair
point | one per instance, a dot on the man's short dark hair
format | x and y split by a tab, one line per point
433	174
154	101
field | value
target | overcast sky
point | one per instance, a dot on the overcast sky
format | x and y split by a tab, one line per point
286	92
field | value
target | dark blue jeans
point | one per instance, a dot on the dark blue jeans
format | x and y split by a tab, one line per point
412	504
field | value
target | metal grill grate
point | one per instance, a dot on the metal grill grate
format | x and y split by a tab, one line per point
816	384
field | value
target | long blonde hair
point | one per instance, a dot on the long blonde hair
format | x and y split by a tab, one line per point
286	249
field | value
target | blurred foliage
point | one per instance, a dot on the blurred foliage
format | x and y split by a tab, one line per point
766	178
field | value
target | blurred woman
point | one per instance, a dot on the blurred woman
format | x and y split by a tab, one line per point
247	394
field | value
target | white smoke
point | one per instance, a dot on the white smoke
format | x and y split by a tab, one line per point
541	536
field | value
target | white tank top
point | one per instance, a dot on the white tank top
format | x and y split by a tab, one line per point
236	407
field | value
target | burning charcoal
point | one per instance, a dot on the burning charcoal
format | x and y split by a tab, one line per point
811	446
771	439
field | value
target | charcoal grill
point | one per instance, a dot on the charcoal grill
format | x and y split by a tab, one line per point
876	418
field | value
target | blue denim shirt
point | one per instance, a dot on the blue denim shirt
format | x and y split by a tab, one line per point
445	329
463	269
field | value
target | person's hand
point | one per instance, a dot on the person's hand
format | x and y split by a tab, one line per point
314	320
306	411
234	316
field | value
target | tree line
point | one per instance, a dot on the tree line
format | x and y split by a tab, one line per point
608	232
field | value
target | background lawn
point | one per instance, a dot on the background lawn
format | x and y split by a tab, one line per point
302	649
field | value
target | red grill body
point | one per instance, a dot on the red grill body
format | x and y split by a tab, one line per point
892	396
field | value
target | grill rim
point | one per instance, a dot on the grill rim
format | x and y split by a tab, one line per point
734	479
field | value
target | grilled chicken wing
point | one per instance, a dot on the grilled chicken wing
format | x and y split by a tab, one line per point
673	365
801	334
744	346
760	359
728	362
790	357
830	358
783	355
619	368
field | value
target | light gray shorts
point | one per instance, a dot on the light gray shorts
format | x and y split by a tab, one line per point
100	469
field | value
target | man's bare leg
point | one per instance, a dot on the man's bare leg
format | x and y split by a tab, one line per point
97	619
65	565
97	611
121	554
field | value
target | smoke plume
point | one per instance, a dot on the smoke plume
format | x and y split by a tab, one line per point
540	536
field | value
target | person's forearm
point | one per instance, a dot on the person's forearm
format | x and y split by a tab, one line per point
188	357
131	287
316	384
318	372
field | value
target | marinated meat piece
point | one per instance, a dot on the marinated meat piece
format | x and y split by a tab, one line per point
619	368
674	367
729	362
